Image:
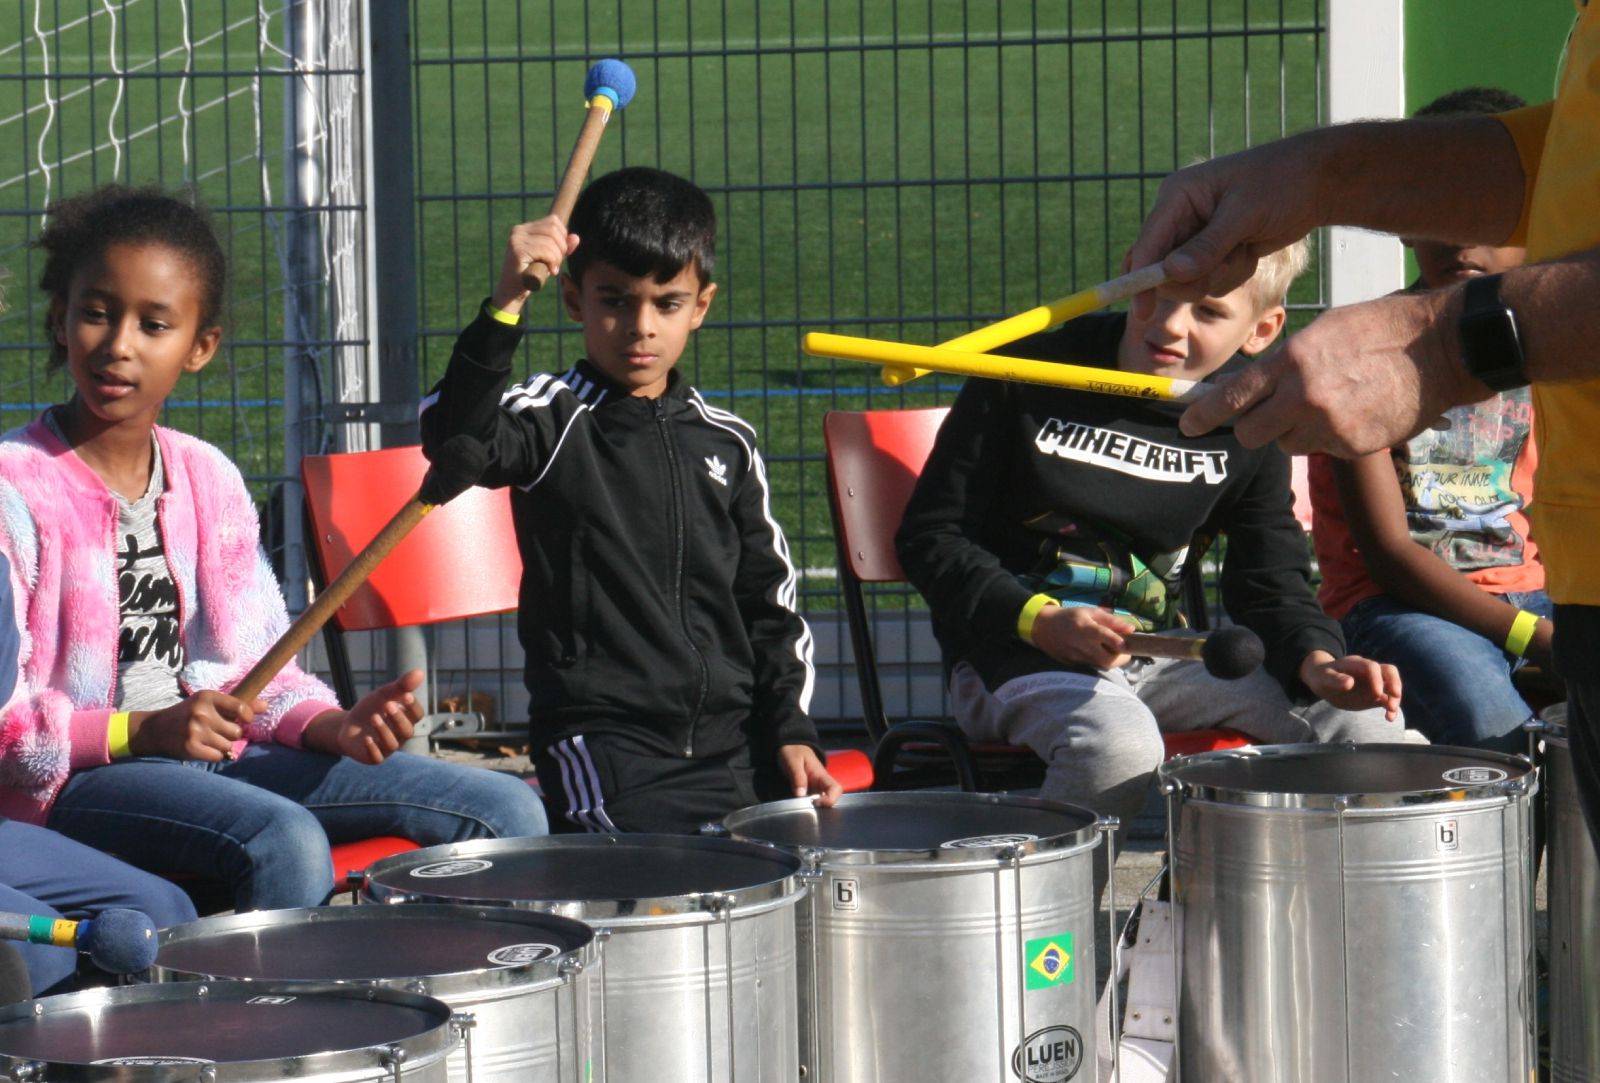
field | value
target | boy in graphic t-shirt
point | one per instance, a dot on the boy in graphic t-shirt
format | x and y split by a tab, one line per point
1424	549
1048	524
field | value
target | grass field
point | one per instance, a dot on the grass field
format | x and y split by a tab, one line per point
896	169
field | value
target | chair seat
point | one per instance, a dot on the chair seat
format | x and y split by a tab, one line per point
851	768
351	859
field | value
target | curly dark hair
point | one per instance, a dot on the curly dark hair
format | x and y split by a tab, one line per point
84	226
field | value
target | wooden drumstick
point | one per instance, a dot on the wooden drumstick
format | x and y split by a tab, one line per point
1229	653
456	468
608	86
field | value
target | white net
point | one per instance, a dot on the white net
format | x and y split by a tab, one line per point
257	106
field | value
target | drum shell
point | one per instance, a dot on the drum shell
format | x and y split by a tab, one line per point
1574	897
883	1014
1339	946
527	1027
421	1059
912	961
660	1004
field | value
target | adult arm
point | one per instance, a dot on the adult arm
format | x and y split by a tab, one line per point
1457	179
1412	573
1368	376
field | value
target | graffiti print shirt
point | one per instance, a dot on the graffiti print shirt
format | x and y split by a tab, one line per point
1466	491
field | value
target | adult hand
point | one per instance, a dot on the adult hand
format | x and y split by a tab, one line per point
1352	683
806	774
1211	222
202	727
1357	379
380	723
1084	635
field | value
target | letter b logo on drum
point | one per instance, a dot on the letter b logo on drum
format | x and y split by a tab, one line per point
1051	1055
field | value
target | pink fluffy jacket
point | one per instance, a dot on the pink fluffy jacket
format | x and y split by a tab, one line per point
58	524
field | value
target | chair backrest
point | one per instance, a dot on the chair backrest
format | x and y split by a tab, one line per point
874	459
460	561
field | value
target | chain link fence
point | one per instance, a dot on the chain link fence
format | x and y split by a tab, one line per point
904	170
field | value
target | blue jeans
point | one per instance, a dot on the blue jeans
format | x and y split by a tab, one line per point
1456	685
44	873
262	823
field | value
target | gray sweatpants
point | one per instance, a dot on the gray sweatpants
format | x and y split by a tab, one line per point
1100	734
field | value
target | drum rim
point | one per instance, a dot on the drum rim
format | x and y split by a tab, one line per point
445	983
1083	838
712	902
433	1043
1550	724
1521	780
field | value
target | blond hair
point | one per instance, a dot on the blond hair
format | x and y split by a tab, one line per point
1276	272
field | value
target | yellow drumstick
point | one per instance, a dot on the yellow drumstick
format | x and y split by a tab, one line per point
1039	319
874	351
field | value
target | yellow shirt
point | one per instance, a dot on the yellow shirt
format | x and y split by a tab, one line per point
1560	152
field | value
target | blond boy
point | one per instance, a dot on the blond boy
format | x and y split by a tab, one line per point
1048	524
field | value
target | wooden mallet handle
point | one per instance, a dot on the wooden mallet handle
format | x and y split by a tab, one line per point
608	86
327	603
457	466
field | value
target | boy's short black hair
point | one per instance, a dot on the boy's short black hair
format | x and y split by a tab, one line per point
646	222
1470	100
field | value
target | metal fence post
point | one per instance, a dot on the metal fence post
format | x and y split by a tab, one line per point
391	253
303	247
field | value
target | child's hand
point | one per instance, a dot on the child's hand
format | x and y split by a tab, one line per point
375	728
202	727
806	774
1352	682
545	242
1082	635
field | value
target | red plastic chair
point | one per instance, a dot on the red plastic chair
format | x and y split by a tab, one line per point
461	561
874	458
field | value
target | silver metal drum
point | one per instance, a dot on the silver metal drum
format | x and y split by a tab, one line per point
1351	913
1573	884
698	984
227	1032
521	981
914	965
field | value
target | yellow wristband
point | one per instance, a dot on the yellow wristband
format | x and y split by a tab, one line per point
500	315
1030	613
1521	634
117	736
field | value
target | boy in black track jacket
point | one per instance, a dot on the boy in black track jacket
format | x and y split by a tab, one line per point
1048	524
669	671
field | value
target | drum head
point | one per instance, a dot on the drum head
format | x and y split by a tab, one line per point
372	943
220	1023
1327	776
601	875
921	826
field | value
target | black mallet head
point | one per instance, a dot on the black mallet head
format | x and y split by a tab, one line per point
457	466
1233	652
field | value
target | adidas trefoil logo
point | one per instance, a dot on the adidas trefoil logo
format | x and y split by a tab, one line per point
718	470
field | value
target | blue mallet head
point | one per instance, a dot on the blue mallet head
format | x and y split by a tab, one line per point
119	941
612	78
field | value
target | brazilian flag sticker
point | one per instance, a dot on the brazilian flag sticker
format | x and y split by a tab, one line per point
1050	961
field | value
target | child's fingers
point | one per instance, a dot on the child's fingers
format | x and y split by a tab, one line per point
399	720
826	787
795	767
372	755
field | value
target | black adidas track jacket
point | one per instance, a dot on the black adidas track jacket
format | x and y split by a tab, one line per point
658	597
